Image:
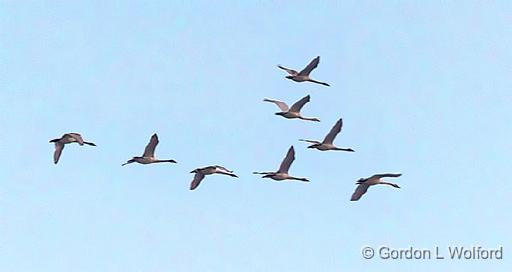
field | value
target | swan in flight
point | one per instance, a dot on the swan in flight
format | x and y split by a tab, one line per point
149	154
208	170
294	111
364	183
304	74
327	143
282	173
67	139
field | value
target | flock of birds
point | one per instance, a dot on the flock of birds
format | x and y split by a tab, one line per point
293	112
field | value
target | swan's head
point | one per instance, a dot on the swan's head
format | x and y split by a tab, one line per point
194	171
289	77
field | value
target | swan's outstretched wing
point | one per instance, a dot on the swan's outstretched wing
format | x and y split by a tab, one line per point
288	70
285	164
149	151
299	104
386	175
310	141
223	169
282	106
263	173
329	139
311	66
77	137
197	180
360	191
58	150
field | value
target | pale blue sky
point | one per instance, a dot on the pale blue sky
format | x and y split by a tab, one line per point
423	88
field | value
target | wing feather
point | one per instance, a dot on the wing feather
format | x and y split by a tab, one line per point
299	104
329	139
58	151
310	141
311	66
387	175
288	70
222	168
359	192
287	162
77	137
197	180
282	106
149	151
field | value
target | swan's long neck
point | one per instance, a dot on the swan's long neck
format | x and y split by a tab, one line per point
301	179
171	161
310	119
318	82
344	149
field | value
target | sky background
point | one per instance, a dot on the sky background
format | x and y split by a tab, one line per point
423	87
